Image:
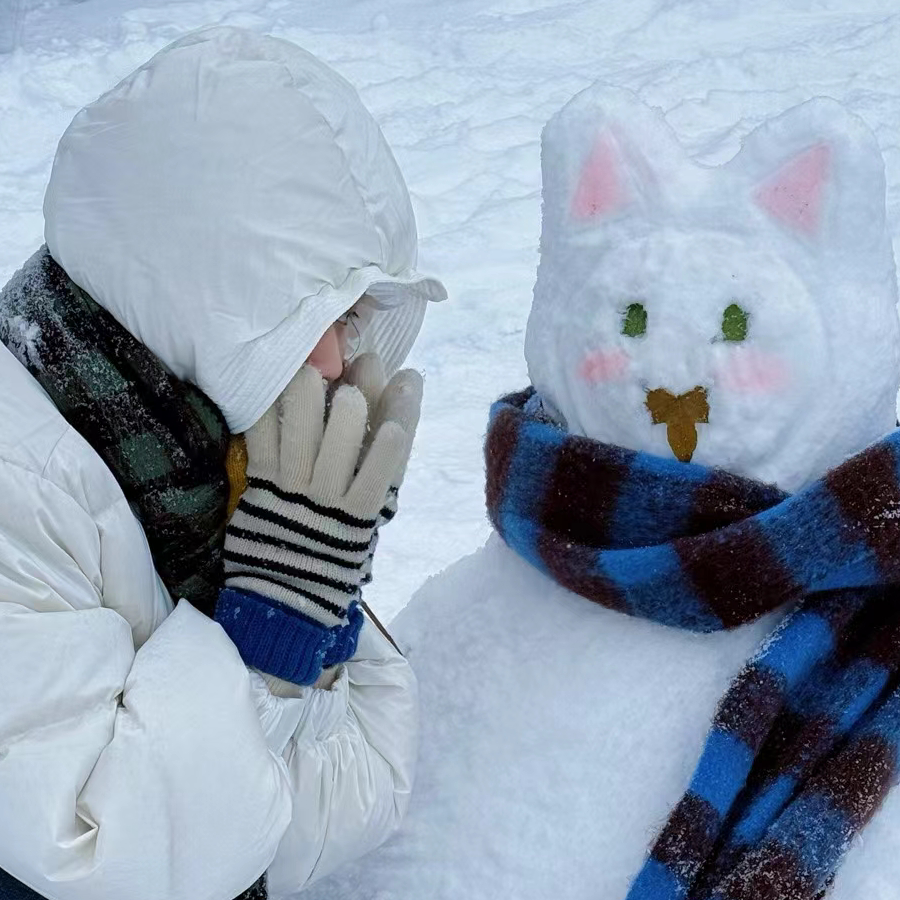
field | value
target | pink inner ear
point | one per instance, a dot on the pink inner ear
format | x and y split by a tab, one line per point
794	196
600	190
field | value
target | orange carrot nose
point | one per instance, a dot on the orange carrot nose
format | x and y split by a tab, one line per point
681	414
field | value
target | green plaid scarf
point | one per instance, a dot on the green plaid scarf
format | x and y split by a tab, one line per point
163	439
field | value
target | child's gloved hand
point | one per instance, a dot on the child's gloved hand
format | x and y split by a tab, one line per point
399	400
302	531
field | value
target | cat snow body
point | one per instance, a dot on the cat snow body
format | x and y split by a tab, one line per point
557	735
791	231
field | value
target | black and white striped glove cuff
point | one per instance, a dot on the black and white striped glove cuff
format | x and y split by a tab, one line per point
288	547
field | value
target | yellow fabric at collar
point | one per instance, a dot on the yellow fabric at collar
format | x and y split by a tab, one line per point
236	466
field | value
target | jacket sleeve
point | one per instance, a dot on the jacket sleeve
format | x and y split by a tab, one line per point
351	760
139	773
170	772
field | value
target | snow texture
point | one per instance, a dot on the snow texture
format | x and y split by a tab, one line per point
556	735
462	91
24	335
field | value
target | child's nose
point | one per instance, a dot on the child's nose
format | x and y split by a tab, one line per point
328	355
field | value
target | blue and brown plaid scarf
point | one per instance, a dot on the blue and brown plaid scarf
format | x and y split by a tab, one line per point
805	744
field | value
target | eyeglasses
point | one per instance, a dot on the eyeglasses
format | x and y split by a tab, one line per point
349	323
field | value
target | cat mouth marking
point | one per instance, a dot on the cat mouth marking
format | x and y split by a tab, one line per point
681	414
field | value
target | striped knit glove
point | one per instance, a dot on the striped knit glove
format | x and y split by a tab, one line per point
297	545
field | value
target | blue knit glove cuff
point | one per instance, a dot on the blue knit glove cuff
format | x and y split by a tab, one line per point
345	638
277	639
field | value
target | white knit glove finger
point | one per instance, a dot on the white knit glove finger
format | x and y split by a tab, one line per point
379	467
302	531
400	402
341	445
301	407
366	373
262	444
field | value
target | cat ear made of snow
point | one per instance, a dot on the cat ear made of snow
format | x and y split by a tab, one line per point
816	172
605	156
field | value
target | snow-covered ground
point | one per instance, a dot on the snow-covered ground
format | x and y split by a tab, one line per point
462	90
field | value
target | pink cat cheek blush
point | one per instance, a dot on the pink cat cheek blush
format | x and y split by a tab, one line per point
601	366
753	372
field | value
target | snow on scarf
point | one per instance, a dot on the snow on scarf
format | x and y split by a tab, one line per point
804	745
163	439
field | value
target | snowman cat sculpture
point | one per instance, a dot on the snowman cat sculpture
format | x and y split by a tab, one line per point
740	316
768	283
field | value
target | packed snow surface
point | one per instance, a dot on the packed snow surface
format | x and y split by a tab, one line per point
556	737
462	91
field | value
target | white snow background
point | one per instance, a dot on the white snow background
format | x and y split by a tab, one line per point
462	90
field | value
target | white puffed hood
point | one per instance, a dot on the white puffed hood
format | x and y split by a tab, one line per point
226	203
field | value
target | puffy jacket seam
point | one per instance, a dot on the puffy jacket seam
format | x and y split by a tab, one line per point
100	705
343	732
347	728
351	715
52	451
67	431
59	490
356	184
46	480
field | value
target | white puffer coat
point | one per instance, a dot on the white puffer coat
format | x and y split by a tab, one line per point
226	203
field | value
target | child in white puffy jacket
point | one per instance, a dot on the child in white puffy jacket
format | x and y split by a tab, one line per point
189	710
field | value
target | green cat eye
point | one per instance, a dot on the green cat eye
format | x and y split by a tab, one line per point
635	323
734	323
